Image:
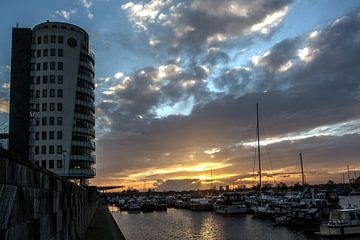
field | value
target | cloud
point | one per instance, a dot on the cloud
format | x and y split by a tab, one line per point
65	14
87	4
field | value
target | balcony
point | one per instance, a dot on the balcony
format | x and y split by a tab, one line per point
87	91
81	172
88	117
90	131
88	144
88	104
89	158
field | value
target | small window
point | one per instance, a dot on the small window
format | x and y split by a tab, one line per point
32	40
59	93
60	66
53	39
60	39
46	39
37	150
51	149
52	78
59	135
52	52
38	66
38	80
43	163
43	135
45	52
51	163
59	149
59	107
37	135
44	79
44	93
43	121
31	93
51	107
37	107
60	52
45	66
51	121
44	107
38	53
60	79
52	65
59	163
32	53
37	93
39	40
59	121
51	135
43	149
52	92
37	121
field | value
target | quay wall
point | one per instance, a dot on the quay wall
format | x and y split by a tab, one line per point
38	204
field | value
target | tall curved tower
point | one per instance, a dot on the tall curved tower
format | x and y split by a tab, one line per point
60	94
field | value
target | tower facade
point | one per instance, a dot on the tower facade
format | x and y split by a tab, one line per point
52	110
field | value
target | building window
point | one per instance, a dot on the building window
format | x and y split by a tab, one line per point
52	107
38	80
37	107
44	93
59	107
60	66
31	93
52	65
59	163
53	52
45	66
46	39
60	39
51	163
51	120
44	79
52	92
37	150
43	121
51	135
45	52
59	93
38	66
37	121
32	66
60	79
52	78
44	107
60	52
37	135
51	149
38	53
53	39
39	40
59	149
37	93
59	121
43	135
43	163
59	135
32	53
43	149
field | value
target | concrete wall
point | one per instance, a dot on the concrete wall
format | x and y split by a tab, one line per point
37	204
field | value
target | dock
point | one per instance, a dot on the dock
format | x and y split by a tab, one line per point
103	226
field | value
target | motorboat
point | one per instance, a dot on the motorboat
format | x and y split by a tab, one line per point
342	222
231	203
200	204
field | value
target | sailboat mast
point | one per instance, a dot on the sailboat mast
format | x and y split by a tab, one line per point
302	171
258	147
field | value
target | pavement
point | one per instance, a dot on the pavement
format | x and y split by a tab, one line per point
103	226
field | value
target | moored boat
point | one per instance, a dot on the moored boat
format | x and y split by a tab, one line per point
231	203
342	222
200	204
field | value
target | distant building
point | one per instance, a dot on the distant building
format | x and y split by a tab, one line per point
52	99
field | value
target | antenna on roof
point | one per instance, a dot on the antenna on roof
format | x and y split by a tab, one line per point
17	25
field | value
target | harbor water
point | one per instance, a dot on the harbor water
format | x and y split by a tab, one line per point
186	224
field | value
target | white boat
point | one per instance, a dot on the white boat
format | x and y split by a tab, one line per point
342	222
200	204
133	206
231	203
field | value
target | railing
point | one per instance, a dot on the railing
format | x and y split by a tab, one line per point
90	131
88	91
90	158
88	117
86	78
89	144
83	172
88	104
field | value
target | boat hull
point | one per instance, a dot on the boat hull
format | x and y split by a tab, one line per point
338	231
230	209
